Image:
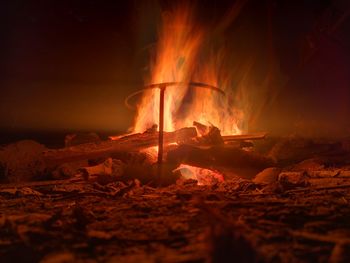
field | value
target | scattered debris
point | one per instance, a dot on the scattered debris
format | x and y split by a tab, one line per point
292	208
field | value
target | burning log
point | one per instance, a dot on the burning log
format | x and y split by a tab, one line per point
244	137
201	128
212	137
104	149
205	130
233	158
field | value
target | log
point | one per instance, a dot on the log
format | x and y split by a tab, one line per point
221	158
129	143
243	137
201	128
204	130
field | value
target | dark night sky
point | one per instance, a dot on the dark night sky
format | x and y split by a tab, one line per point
70	64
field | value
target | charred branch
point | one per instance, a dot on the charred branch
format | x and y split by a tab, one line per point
104	149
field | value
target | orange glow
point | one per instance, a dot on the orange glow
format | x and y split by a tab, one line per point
175	57
152	153
181	55
201	175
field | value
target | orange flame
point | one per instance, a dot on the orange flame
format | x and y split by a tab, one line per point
180	56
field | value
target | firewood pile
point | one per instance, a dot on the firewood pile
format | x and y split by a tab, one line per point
248	198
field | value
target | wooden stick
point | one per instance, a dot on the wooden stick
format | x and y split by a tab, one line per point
128	143
161	124
320	238
242	137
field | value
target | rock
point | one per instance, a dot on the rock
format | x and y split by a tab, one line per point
293	179
267	176
81	138
309	165
22	161
293	150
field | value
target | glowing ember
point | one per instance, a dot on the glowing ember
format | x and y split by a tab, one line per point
151	153
182	55
201	175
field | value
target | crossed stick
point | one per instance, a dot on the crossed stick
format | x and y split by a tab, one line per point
162	87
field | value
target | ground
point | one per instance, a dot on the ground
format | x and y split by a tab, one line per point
80	221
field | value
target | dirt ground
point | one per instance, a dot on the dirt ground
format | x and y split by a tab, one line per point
66	221
285	200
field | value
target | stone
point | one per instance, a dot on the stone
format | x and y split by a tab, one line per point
293	179
267	176
81	138
22	161
312	164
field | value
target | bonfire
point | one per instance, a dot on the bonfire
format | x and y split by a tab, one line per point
192	180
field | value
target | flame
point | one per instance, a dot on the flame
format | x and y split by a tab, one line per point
177	50
181	55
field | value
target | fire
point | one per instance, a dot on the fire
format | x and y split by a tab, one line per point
177	50
182	55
